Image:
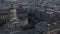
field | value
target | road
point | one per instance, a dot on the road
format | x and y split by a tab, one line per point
1	30
29	31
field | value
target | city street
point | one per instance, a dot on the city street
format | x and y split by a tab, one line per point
1	30
29	31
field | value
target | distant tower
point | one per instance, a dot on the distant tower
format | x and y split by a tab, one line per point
13	12
13	16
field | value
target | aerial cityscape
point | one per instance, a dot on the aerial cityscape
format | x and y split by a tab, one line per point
29	16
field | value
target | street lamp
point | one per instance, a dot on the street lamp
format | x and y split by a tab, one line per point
48	28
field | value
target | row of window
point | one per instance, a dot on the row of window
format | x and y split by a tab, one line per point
3	17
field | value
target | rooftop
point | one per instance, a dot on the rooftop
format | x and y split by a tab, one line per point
48	26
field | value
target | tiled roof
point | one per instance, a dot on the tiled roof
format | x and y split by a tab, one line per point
49	26
5	11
